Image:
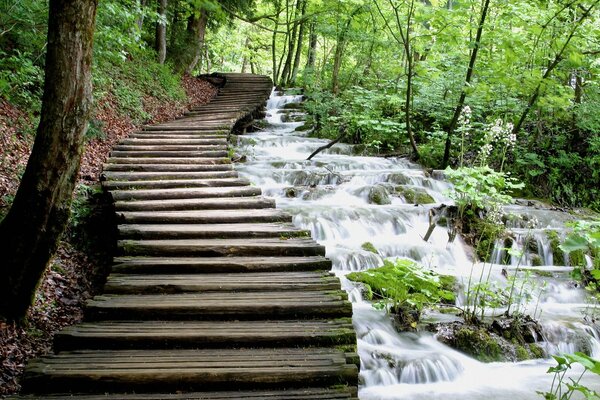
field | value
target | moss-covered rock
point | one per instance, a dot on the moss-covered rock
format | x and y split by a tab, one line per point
378	194
368	246
558	255
414	195
577	258
536	260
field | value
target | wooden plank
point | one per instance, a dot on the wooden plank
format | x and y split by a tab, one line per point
196	204
338	393
167	146
204	216
176	370
168	154
168	160
157	265
199	231
174	183
192	283
221	247
156	140
167	167
150	176
205	334
184	193
220	306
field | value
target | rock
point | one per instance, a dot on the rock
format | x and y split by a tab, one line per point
414	195
378	194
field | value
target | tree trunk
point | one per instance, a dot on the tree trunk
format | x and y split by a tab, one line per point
140	19
287	68
312	46
463	93
299	46
161	32
30	232
198	26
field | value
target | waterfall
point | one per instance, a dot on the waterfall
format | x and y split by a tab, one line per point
331	196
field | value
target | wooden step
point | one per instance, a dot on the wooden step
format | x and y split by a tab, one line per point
220	306
196	204
207	231
205	334
172	141
239	282
174	183
145	135
170	147
166	167
151	176
221	247
99	371
168	154
172	128
172	265
185	193
204	216
337	393
168	160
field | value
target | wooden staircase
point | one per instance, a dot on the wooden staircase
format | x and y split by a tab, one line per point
214	293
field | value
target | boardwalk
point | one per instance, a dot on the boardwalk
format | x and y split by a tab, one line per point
214	293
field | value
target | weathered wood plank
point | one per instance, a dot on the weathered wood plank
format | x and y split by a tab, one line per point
205	334
167	167
196	204
184	193
338	393
200	231
169	146
221	247
168	154
204	216
145	371
174	183
220	306
150	176
169	160
183	283
157	265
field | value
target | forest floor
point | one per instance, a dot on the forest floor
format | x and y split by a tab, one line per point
73	273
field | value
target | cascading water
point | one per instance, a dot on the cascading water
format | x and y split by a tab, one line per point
333	196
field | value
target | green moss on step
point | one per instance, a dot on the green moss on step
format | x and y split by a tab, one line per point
414	195
368	246
557	254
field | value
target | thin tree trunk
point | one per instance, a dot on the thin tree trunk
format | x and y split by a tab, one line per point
312	46
299	46
30	232
161	32
463	93
245	59
140	19
198	26
287	68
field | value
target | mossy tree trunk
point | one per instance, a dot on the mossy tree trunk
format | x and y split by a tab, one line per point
161	32
30	232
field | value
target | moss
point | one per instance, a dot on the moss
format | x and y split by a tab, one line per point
405	283
379	195
536	260
478	343
414	195
307	126
536	351
543	274
577	258
368	246
557	254
521	353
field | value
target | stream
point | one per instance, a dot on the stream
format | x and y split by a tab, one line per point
330	196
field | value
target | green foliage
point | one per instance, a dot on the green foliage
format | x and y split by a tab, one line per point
582	241
480	187
563	389
404	283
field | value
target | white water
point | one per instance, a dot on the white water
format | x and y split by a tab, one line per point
329	196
